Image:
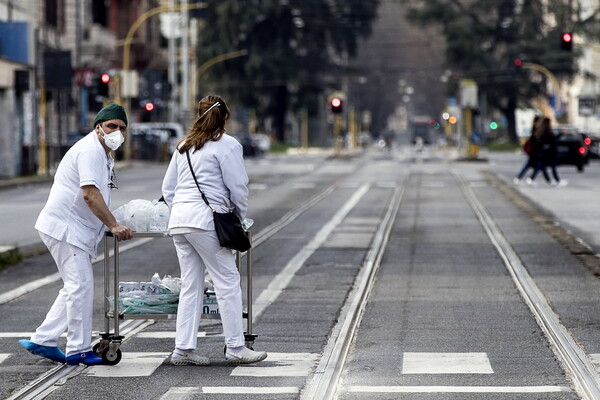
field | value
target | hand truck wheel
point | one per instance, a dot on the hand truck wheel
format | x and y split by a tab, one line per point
96	349
111	357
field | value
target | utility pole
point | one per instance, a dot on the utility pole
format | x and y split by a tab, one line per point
185	65
172	68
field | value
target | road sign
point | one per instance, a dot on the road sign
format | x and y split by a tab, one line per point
587	106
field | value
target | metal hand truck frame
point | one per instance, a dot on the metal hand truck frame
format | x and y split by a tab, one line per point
110	342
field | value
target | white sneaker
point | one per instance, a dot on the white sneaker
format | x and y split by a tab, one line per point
179	357
517	181
563	183
244	356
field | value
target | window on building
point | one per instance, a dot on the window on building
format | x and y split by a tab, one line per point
99	12
51	12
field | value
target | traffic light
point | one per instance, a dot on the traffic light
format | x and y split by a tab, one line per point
566	41
518	64
336	105
149	106
103	83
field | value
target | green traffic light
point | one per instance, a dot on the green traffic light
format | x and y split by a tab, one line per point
493	125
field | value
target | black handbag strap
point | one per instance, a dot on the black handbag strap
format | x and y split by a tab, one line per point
187	153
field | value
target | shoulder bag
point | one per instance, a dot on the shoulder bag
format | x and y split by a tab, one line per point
229	229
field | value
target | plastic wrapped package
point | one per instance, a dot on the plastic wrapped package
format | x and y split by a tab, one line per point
159	296
143	215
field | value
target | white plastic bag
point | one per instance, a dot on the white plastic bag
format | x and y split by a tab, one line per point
143	215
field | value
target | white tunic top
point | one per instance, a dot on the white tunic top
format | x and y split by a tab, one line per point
220	171
66	215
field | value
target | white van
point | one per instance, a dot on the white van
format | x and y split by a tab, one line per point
154	141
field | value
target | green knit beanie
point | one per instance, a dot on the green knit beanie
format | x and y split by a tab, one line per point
111	111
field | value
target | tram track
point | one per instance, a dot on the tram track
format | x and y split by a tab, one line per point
572	358
50	380
58	376
326	381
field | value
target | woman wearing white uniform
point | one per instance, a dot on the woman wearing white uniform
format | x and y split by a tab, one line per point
219	168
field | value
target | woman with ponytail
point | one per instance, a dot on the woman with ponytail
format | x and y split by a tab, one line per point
218	166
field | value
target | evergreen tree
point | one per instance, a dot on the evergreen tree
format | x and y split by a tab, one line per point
485	37
294	46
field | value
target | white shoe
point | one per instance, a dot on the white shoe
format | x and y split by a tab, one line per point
531	182
517	181
179	357
244	356
562	183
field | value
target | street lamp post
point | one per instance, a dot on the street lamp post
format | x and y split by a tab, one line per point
127	49
209	63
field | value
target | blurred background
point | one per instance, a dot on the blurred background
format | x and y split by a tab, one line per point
333	74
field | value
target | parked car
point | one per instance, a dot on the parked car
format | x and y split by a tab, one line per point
249	144
571	147
154	141
593	145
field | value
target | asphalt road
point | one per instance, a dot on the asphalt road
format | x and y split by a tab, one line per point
444	312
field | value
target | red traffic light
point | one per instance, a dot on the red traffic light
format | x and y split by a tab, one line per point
149	106
567	37
518	62
336	105
105	78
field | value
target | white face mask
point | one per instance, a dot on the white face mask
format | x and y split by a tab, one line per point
113	140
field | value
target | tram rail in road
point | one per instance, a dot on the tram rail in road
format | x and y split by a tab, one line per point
325	383
47	382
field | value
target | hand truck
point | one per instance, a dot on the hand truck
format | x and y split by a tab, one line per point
108	346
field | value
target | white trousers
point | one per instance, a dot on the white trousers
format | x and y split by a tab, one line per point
196	252
72	310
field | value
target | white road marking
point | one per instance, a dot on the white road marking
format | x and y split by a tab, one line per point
286	364
280	282
249	390
596	360
132	365
185	393
458	389
7	335
4	356
304	185
387	184
446	363
434	184
38	283
257	186
170	335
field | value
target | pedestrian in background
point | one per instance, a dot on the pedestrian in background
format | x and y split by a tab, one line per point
218	164
71	225
538	156
549	157
528	147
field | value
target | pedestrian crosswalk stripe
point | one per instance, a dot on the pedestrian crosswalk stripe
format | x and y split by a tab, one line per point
3	357
176	393
249	390
132	364
457	389
304	185
596	361
446	363
280	364
170	335
257	186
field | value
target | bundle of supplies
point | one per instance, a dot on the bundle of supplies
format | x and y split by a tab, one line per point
143	215
159	296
